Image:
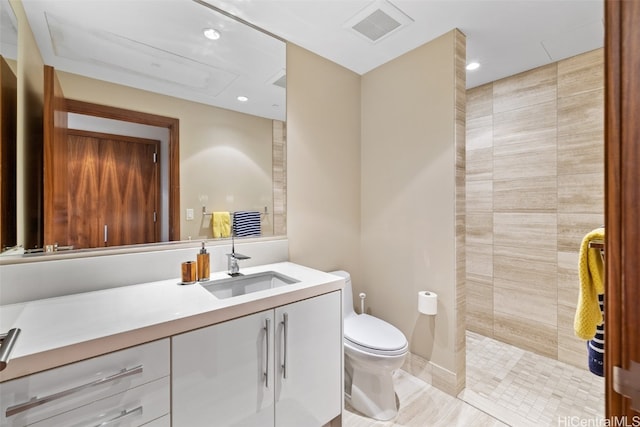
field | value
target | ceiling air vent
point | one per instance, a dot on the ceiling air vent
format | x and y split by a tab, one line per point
378	20
282	82
279	79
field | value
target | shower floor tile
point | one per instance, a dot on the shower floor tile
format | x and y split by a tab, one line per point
531	390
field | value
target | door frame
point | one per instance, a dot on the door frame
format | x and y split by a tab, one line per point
173	126
622	199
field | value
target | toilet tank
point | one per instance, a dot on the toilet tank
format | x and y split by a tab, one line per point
347	293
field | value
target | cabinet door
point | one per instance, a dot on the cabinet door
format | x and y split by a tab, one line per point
219	374
309	361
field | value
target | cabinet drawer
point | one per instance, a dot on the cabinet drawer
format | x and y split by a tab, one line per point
69	387
160	422
134	407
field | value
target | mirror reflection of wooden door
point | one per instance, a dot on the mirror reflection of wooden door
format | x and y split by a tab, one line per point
114	187
55	219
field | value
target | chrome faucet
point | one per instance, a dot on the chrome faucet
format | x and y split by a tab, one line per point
233	258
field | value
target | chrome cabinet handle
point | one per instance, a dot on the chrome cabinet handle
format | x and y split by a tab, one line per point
37	401
106	234
267	328
124	414
285	330
8	341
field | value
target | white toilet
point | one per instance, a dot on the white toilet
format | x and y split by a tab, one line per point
373	350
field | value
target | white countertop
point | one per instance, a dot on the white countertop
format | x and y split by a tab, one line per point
62	330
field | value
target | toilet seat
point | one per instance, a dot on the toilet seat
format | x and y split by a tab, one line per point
372	335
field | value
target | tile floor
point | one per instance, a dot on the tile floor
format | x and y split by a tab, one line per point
506	386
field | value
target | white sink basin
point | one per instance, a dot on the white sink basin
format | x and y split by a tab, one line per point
242	285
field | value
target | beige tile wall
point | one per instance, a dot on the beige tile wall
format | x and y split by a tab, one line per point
461	212
535	186
279	165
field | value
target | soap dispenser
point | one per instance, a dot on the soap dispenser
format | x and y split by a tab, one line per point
203	264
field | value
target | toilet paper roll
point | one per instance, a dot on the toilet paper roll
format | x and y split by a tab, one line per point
427	302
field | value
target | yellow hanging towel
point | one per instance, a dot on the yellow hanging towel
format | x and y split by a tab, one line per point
591	273
221	224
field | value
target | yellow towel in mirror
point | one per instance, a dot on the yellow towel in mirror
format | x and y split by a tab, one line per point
591	273
221	224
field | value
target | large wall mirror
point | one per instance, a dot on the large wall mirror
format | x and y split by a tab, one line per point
222	79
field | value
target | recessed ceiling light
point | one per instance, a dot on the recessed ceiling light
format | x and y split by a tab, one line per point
242	98
473	66
211	34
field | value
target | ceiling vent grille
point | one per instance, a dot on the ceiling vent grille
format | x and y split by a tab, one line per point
376	25
281	82
378	20
279	79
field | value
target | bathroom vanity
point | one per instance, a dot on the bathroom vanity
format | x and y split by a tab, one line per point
291	380
162	354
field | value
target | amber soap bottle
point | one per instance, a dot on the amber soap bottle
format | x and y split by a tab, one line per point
203	264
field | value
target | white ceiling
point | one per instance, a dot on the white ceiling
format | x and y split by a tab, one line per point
157	44
505	36
8	31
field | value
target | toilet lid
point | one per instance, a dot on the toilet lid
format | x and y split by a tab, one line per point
371	332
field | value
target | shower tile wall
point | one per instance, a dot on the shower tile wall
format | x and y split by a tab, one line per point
460	117
535	186
279	178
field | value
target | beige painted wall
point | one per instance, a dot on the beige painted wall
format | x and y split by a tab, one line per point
373	173
535	187
408	198
323	163
224	155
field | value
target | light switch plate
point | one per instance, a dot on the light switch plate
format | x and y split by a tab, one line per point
189	214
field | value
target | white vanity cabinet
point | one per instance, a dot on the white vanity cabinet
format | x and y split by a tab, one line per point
309	361
220	374
126	388
280	367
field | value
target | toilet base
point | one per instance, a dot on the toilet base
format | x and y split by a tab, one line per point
373	395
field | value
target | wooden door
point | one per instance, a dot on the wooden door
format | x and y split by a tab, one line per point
56	188
114	189
83	172
622	183
173	127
